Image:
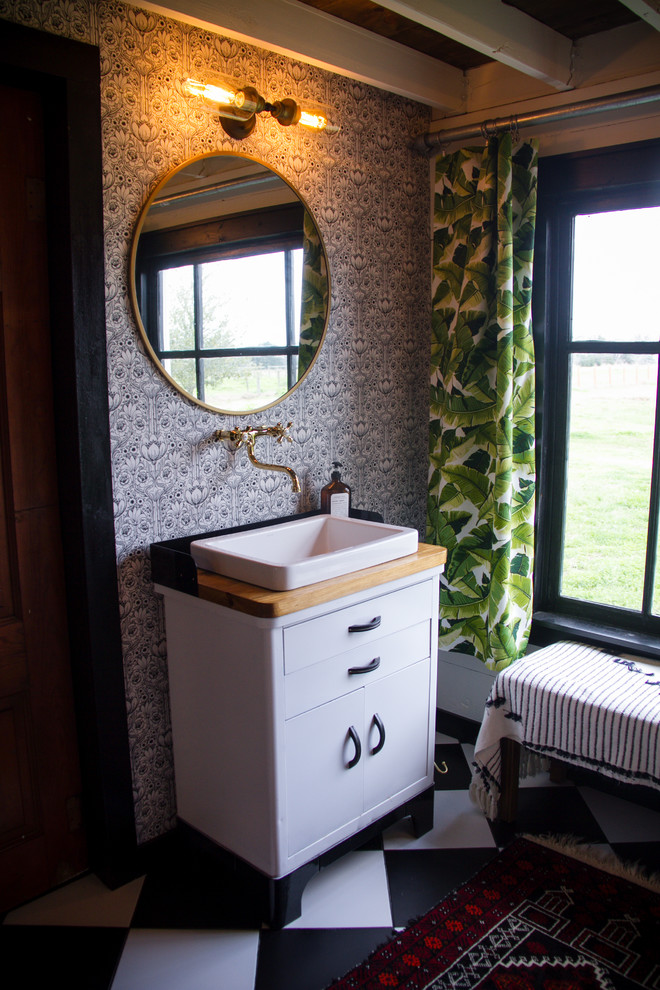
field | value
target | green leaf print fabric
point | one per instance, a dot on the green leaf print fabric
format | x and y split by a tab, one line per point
482	471
314	295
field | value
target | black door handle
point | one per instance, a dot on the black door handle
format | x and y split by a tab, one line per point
358	748
372	665
378	722
375	622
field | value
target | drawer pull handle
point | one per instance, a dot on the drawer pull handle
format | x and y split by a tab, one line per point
367	627
378	722
358	748
373	665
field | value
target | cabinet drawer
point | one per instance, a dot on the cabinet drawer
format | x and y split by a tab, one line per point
310	642
314	685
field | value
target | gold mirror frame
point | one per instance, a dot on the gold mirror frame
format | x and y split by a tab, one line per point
155	194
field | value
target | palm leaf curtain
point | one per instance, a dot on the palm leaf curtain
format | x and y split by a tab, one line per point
481	475
314	302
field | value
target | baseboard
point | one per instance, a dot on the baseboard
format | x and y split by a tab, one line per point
464	684
456	726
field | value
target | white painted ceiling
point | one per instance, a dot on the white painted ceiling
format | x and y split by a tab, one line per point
519	55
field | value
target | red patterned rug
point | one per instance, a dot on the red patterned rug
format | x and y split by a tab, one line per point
532	919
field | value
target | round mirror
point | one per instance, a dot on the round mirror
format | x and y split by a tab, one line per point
230	282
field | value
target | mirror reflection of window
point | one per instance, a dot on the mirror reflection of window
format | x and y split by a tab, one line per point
177	316
229	329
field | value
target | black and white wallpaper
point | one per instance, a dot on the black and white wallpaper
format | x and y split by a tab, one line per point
364	403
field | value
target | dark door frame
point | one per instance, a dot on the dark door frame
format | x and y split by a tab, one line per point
67	75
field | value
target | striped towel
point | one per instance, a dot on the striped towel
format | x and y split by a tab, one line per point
577	703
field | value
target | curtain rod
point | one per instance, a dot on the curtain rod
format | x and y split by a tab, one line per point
435	140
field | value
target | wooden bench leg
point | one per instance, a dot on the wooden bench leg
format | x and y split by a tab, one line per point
508	804
558	771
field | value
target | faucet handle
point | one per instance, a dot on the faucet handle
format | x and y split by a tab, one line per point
282	431
235	436
278	431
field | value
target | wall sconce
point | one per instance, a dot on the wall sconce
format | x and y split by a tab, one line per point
238	109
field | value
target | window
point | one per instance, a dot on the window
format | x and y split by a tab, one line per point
597	327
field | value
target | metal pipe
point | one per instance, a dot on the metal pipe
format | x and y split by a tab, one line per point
434	140
250	183
247	437
249	444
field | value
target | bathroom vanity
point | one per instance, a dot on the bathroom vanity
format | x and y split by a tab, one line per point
301	717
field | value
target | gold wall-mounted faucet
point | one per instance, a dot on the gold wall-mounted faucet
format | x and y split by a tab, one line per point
247	436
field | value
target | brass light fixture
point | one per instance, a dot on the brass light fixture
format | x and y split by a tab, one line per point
238	108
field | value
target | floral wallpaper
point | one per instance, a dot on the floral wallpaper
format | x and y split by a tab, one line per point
364	403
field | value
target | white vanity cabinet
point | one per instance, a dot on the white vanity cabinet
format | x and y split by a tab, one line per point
357	721
292	733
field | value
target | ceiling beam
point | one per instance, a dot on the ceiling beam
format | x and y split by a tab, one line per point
647	10
311	36
503	33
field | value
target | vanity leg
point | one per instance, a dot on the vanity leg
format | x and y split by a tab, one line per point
285	895
420	810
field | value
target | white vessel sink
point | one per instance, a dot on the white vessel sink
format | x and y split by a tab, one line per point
302	551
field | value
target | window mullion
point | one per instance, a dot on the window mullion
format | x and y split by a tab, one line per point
199	330
614	347
654	509
563	280
154	310
290	310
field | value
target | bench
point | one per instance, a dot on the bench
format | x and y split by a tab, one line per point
569	703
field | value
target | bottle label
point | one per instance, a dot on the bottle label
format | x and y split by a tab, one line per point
339	504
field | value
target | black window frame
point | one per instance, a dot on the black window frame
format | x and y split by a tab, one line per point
622	177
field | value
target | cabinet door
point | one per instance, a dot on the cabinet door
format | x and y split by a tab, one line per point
324	792
396	750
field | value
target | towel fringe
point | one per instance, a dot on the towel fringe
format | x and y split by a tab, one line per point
532	763
485	800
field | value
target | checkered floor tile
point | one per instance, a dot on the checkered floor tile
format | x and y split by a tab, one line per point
181	928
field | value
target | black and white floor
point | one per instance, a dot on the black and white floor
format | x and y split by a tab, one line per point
174	929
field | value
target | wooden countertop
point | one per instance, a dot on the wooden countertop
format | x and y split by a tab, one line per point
261	602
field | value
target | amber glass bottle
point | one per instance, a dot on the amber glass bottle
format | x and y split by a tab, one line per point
336	496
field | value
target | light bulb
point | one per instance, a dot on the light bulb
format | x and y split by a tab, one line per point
317	121
212	92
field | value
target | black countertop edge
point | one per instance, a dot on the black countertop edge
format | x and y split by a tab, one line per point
173	566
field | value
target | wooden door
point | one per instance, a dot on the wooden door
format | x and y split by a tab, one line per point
42	841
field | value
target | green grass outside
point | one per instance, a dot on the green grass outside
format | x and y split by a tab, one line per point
248	391
254	388
609	471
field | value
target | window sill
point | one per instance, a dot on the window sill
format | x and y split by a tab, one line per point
548	627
